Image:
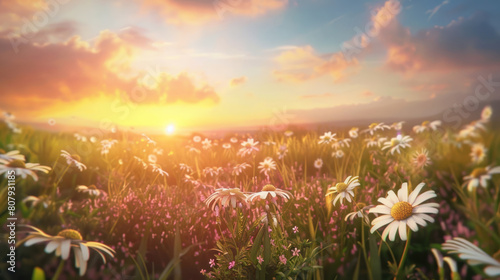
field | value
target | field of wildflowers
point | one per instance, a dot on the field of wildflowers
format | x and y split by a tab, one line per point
376	202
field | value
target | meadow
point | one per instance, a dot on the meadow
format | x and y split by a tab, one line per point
385	201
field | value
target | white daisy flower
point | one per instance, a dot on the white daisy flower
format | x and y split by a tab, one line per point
73	160
157	168
148	140
12	155
478	153
226	146
224	197
486	114
344	189
22	169
66	240
270	191
106	145
206	144
234	140
338	154
327	138
480	177
341	143
197	139
43	200
91	190
421	158
238	168
374	127
249	147
353	133
403	211
362	212
473	255
267	166
371	142
397	125
396	143
318	163
426	125
288	133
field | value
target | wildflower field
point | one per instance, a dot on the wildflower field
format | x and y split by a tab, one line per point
375	202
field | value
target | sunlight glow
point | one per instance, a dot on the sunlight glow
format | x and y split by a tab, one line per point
170	129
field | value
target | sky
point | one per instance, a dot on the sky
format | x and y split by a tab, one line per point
223	64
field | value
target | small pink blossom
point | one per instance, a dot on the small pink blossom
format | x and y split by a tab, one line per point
231	264
260	259
295	252
203	271
283	259
212	262
295	229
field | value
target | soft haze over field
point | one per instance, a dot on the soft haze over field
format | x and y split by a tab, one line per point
222	64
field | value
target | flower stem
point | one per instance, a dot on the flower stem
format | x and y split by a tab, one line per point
59	270
403	257
368	266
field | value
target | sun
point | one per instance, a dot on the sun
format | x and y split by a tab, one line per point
170	129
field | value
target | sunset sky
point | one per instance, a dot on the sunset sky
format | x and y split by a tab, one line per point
218	64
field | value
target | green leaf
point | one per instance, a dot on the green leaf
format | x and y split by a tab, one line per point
256	245
38	274
374	258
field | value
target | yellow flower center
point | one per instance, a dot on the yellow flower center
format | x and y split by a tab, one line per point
394	141
2	151
426	123
76	157
268	188
401	210
360	205
341	187
92	187
478	172
373	125
421	159
70	234
16	164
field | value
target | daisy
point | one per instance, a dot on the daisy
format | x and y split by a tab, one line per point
318	163
22	169
268	143
249	147
374	127
212	171
283	150
404	211
185	167
288	133
478	153
234	140
66	240
92	190
267	165
353	133
106	146
43	200
197	139
361	213
426	125
473	255
344	189
192	149
144	164
73	160
421	159
397	125
225	197
398	142
371	142
157	168
269	191
480	177
341	143
226	146
152	158
148	140
206	144
486	114
238	169
338	154
327	138
12	155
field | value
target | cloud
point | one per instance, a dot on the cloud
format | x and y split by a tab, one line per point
238	81
45	74
201	11
303	63
434	10
314	96
367	93
470	43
